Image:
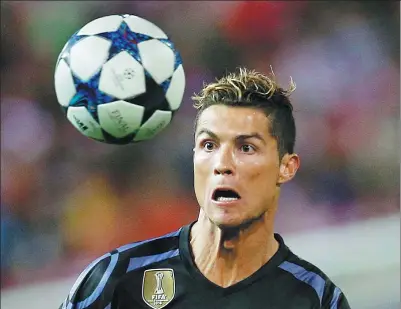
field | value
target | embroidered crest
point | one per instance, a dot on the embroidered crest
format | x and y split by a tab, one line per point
158	287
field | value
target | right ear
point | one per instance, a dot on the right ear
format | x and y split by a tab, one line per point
288	168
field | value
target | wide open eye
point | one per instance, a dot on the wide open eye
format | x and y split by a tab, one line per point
208	146
247	148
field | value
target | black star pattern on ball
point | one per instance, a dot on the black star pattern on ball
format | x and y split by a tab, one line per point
88	94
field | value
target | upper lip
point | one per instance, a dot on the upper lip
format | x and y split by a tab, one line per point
227	188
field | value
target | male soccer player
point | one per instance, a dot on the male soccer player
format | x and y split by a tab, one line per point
229	257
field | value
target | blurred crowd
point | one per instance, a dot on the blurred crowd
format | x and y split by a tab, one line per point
66	199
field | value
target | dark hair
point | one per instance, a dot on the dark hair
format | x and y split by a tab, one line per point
252	89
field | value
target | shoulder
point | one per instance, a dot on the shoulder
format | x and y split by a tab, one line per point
95	286
328	293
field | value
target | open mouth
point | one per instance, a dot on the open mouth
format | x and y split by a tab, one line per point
225	195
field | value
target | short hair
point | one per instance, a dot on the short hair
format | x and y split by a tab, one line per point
248	88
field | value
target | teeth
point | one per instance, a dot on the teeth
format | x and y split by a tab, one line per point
225	199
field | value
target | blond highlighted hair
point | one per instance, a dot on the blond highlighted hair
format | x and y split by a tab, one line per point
242	86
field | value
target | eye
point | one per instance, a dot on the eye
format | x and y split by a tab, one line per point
208	146
247	148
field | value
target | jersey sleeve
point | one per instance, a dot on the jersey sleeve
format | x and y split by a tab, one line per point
335	299
95	286
343	302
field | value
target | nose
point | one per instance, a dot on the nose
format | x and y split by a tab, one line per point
223	170
224	164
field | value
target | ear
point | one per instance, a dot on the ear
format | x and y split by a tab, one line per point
288	168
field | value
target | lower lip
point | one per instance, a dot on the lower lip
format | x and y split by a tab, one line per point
226	203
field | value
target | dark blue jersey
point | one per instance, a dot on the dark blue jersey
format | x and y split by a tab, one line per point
161	273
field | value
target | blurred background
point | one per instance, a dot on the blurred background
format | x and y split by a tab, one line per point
66	199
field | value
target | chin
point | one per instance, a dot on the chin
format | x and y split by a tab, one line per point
225	221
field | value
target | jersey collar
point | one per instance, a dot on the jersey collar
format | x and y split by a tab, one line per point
265	270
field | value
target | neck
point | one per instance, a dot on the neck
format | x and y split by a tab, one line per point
227	256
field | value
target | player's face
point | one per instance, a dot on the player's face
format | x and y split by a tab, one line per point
236	164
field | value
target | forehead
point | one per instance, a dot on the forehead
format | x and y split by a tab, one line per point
234	120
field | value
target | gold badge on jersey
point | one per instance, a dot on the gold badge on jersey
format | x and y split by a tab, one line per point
158	287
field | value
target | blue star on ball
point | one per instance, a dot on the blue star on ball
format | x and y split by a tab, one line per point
88	94
124	39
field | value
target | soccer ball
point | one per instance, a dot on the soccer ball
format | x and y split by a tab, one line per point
119	79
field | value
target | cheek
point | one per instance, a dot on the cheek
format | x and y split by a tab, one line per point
200	164
200	173
263	174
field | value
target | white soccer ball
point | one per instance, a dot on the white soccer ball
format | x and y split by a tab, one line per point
119	79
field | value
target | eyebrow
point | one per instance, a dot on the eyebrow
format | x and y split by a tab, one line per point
244	137
207	132
241	137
